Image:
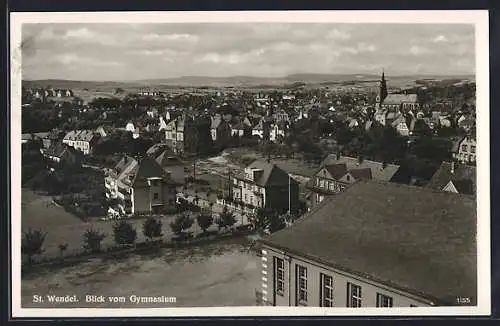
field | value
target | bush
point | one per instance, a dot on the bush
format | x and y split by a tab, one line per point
226	219
152	228
32	243
181	223
205	221
92	240
124	233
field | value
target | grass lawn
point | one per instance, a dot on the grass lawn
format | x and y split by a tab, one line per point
219	274
63	227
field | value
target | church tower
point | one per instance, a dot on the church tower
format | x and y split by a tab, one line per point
383	90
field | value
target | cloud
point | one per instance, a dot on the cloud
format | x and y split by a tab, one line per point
336	34
170	37
100	51
73	59
419	50
230	58
440	38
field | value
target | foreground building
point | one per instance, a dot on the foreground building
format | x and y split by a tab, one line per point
375	245
140	187
265	185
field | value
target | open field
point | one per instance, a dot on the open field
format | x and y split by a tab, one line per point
220	274
63	227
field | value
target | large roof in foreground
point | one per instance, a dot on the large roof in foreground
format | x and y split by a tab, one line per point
419	240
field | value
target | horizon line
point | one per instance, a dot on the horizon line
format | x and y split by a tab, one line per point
256	77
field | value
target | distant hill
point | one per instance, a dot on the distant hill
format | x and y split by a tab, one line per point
236	81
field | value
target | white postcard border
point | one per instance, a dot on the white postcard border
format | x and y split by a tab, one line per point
477	17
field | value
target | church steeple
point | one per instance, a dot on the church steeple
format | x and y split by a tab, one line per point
383	88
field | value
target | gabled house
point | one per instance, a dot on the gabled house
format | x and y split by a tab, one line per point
374	245
140	186
61	153
104	131
464	150
264	185
82	140
220	130
454	177
337	173
180	132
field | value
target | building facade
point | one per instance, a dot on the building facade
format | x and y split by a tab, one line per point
465	150
139	187
264	185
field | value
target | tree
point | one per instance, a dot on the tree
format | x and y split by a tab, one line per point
204	221
92	240
152	228
226	219
124	233
32	243
181	223
259	220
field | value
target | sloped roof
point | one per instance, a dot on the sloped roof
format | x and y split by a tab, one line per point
361	174
337	171
272	175
378	171
80	135
148	168
392	234
460	172
398	99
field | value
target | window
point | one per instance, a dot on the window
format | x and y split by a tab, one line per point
321	183
332	186
348	177
326	291
279	272
155	196
301	280
353	295
383	300
317	182
473	149
464	148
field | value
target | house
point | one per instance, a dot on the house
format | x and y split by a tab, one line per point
264	185
375	245
104	131
464	150
281	115
454	177
262	128
82	140
220	130
139	187
178	133
401	125
61	153
331	179
152	113
278	131
238	128
337	172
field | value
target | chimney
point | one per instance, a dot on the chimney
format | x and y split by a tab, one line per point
452	167
338	154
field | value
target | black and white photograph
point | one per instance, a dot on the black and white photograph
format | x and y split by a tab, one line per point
250	163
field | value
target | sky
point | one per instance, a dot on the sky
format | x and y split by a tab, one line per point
125	52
